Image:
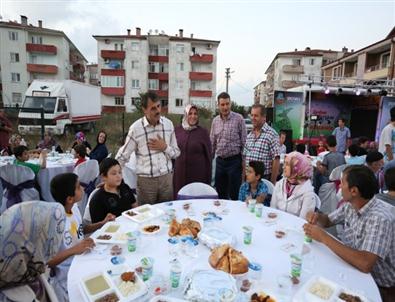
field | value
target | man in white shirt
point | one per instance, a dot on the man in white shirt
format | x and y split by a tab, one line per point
387	138
153	140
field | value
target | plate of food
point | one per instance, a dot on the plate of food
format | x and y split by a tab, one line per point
318	289
110	233
187	227
129	285
143	213
345	295
229	260
150	229
98	287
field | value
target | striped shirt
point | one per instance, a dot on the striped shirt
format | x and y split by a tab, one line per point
150	163
264	148
228	135
371	229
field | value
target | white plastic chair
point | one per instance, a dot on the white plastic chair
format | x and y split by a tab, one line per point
88	173
14	175
129	176
337	172
87	214
270	186
109	155
197	190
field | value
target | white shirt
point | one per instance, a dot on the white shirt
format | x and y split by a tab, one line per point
150	163
387	137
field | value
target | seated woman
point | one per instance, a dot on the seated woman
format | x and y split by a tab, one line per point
114	196
48	142
294	193
15	141
35	238
81	139
100	152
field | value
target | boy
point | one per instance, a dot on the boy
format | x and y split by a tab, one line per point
22	156
67	190
375	162
389	180
80	154
254	187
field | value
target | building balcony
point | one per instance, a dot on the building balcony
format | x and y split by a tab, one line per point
376	72
113	54
202	58
293	69
160	59
201	76
41	48
289	84
201	93
77	77
161	93
113	91
113	72
42	68
162	76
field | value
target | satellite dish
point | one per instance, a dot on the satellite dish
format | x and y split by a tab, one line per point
156	31
150	31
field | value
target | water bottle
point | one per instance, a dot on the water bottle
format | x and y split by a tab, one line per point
175	273
53	151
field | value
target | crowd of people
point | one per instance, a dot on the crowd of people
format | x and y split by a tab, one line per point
168	158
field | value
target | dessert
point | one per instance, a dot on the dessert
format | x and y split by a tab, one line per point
217	203
187	227
186	206
229	260
245	285
321	290
261	297
116	250
128	277
131	213
349	298
272	215
104	237
279	234
108	298
151	228
295	280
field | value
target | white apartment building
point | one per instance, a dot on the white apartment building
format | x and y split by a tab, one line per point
30	52
180	70
288	68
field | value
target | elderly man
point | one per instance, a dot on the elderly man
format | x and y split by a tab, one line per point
228	135
263	144
153	140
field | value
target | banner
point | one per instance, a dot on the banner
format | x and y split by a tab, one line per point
288	112
386	104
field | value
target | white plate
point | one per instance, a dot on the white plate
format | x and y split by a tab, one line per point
144	213
150	233
111	227
92	297
141	286
166	299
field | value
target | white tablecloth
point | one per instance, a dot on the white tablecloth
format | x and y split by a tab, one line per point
265	249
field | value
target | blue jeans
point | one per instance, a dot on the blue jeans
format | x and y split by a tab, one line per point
228	177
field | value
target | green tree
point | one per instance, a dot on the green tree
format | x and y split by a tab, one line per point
237	108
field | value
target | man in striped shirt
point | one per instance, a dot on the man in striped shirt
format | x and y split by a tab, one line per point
153	140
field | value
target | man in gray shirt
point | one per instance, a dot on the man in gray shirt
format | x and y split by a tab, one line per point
342	134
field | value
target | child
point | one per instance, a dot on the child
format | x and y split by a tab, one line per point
375	162
114	196
254	187
67	190
321	147
80	154
283	137
389	180
22	156
354	158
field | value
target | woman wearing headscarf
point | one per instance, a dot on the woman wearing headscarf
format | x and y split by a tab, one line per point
100	152
194	162
81	139
28	239
48	142
294	193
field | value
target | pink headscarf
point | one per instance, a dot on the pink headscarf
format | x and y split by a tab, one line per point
301	168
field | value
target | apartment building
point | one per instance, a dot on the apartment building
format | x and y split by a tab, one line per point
288	69
29	52
92	76
179	69
260	93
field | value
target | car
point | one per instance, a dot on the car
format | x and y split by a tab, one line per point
248	123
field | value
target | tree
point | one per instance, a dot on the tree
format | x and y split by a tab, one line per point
237	108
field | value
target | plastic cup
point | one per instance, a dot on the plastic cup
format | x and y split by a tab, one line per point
251	205
173	246
131	242
258	210
255	270
284	285
296	265
147	266
247	234
226	295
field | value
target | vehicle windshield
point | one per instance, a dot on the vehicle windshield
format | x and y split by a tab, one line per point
36	102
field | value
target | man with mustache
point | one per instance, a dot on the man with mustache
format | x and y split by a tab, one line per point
153	140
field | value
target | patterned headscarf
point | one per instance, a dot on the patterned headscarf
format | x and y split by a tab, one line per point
30	235
301	167
185	123
80	135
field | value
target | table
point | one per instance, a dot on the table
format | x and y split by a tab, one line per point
265	249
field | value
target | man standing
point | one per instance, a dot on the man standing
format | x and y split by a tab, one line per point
153	140
342	134
228	135
387	138
263	144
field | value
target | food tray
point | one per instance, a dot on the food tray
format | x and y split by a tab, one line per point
213	237
143	213
112	229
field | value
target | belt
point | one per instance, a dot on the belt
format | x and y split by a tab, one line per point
230	157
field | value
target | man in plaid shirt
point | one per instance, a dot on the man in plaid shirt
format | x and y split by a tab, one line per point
369	229
263	144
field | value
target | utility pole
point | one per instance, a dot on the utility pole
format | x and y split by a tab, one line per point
227	76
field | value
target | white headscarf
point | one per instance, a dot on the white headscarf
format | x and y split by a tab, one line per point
185	123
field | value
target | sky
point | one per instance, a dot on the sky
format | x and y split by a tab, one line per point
251	32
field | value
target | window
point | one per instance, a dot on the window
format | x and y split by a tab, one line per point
178	102
311	61
13	35
15	77
179	84
385	60
121	46
33	59
153	66
119	100
194	85
194	50
153	84
135	46
37	40
163	67
135	101
135	83
163	50
336	73
164	103
112	81
62	105
16	98
296	62
135	64
14	57
116	46
180	48
180	66
153	50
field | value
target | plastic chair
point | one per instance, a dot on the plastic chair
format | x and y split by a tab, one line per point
129	176
337	172
197	190
270	186
87	214
18	183
88	173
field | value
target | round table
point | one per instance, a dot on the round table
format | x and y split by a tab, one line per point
265	249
